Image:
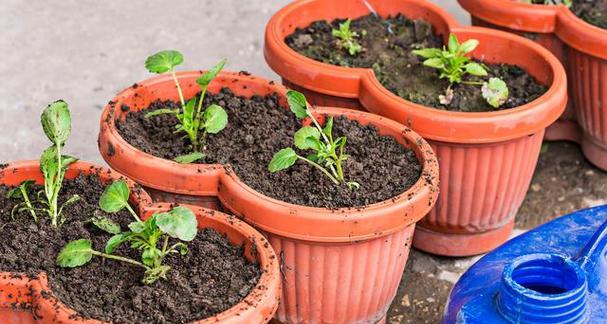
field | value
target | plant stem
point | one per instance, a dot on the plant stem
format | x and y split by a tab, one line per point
57	184
133	212
178	89
318	126
319	168
119	258
164	245
202	94
28	203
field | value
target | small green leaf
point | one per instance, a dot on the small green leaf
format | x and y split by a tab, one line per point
180	222
106	224
205	79
67	160
215	119
138	227
189	158
328	129
476	69
495	92
162	111
469	46
434	63
428	52
187	118
75	254
150	255
283	159
163	61
301	136
56	122
17	191
115	241
115	197
453	43
48	164
297	103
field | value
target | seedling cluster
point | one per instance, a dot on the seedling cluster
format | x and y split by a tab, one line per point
346	38
57	125
453	65
192	120
150	237
328	153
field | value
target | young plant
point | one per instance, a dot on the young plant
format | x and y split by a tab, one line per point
22	192
453	65
115	198
192	120
346	38
57	125
328	153
150	237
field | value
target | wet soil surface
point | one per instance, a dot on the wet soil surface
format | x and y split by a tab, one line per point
211	278
563	180
258	128
402	72
592	11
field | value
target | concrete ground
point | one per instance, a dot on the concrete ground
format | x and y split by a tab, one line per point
85	51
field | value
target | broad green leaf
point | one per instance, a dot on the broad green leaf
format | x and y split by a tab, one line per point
205	79
314	143
453	43
297	103
115	197
301	136
106	224
215	119
476	69
495	92
189	158
56	122
162	111
283	159
138	227
163	61
328	129
180	222
434	62
115	241
469	46
75	254
428	52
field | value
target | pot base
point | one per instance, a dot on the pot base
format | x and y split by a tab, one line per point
460	245
595	153
563	130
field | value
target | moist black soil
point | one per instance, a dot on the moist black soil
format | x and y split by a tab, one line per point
211	278
258	128
593	12
390	56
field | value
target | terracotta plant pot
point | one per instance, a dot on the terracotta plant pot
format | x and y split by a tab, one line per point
339	265
486	159
258	307
580	46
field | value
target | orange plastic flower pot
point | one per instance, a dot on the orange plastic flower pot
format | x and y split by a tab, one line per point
579	45
339	265
27	300
486	159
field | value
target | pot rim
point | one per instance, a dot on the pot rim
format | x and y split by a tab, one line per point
363	221
460	127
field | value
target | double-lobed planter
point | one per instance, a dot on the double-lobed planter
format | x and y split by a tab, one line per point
581	47
486	159
338	265
30	300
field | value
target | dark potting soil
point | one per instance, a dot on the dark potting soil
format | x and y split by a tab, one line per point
402	72
592	11
258	128
211	278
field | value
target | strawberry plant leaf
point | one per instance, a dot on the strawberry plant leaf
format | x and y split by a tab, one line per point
115	197
56	122
283	159
115	241
106	224
180	222
205	79
495	92
428	52
163	61
453	43
138	227
75	254
475	69
302	135
297	103
469	46
215	119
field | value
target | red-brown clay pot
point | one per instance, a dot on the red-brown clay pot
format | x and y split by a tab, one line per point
486	159
339	265
580	46
166	180
25	300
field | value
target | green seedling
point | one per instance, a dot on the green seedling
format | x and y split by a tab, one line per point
57	125
150	237
566	3
22	192
453	65
328	153
346	38
192	120
115	198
